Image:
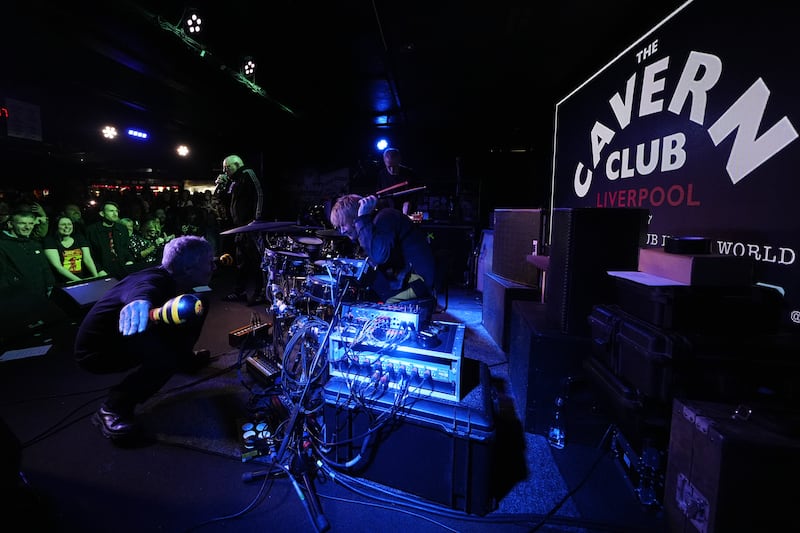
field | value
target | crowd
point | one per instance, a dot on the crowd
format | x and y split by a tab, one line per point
46	241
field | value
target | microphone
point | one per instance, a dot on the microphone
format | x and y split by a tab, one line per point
178	310
222	184
224	260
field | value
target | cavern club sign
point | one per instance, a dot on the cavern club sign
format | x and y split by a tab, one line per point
697	122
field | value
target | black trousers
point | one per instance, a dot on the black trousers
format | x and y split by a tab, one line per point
249	278
151	358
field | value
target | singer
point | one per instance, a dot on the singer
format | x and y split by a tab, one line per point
244	194
120	334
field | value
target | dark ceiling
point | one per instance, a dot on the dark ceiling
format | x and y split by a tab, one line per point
454	79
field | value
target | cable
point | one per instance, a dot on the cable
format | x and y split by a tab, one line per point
61	424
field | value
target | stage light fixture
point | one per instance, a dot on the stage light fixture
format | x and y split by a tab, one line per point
193	22
109	132
182	150
382	144
249	68
137	134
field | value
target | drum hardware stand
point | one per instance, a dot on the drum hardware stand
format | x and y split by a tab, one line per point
311	503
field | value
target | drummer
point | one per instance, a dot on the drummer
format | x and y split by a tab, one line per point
393	244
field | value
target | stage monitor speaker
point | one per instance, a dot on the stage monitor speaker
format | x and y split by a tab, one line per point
515	230
587	243
25	315
79	296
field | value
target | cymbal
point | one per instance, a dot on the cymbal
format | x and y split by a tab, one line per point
295	229
289	253
307	240
259	225
330	233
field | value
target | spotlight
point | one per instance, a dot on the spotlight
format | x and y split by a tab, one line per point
193	22
249	68
109	132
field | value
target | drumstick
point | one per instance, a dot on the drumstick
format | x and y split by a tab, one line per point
391	188
400	193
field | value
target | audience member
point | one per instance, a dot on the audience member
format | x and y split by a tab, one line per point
41	225
214	216
73	211
147	244
117	334
22	261
169	224
68	253
395	246
5	215
245	194
109	242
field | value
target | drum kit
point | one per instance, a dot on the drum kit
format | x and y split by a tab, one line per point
306	277
308	269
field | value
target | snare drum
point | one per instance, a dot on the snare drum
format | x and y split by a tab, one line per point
320	288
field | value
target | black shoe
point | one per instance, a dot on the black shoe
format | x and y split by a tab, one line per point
113	425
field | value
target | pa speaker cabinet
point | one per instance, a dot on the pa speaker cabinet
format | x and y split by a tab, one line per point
79	296
586	243
498	295
724	467
437	450
540	359
515	230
